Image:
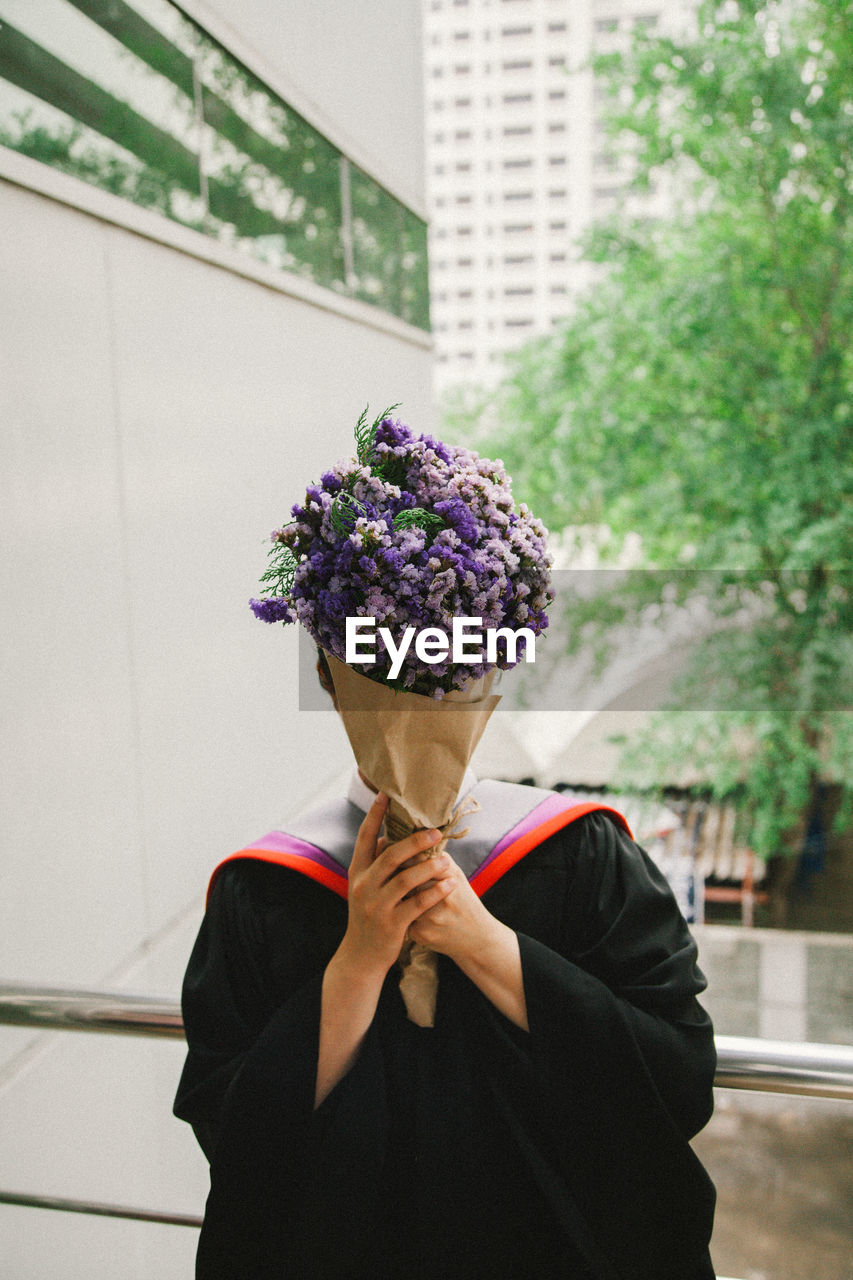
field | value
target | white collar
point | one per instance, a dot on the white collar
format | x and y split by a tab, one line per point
362	797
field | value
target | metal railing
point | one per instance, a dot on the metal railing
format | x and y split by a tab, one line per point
810	1070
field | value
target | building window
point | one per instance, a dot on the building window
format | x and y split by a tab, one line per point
462	102
556	95
525	162
511	32
512	99
463	166
518	259
556	161
522	291
554	27
558	126
518	64
518	195
462	135
606	25
164	117
517	228
517	130
513	323
557	193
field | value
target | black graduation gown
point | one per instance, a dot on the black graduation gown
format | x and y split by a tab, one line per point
469	1149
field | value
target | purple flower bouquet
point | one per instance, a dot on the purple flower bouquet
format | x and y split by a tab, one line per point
411	533
409	538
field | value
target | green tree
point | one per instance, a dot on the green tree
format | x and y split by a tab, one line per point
702	393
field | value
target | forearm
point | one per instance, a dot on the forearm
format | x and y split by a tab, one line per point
349	999
495	967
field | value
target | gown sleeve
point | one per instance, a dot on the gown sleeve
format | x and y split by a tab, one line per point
623	1058
248	1090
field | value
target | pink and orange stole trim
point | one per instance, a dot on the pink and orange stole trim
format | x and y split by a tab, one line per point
547	818
544	820
289	851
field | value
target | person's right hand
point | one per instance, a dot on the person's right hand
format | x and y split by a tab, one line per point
390	886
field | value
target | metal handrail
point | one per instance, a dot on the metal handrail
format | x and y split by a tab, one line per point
70	1009
816	1070
31	1201
775	1066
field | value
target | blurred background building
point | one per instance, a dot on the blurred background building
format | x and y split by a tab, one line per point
519	164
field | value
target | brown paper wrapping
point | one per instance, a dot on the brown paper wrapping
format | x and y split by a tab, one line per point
416	750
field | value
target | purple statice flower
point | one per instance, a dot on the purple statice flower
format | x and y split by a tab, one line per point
273	609
460	549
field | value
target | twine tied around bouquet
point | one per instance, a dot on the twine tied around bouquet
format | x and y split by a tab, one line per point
419	965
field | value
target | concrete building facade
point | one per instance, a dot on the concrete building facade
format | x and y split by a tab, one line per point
178	360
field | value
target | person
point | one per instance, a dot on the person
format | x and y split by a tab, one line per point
539	1129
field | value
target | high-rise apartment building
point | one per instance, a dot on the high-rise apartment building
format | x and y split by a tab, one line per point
518	164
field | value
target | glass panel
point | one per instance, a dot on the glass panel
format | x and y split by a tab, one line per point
136	99
74	97
377	228
272	178
415	271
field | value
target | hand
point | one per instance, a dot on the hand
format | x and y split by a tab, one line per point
390	887
459	926
485	949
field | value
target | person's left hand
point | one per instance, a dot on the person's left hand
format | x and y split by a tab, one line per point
459	926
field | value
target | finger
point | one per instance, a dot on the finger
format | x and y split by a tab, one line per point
427	898
395	855
414	878
368	834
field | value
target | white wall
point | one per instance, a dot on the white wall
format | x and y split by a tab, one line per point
160	413
160	416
